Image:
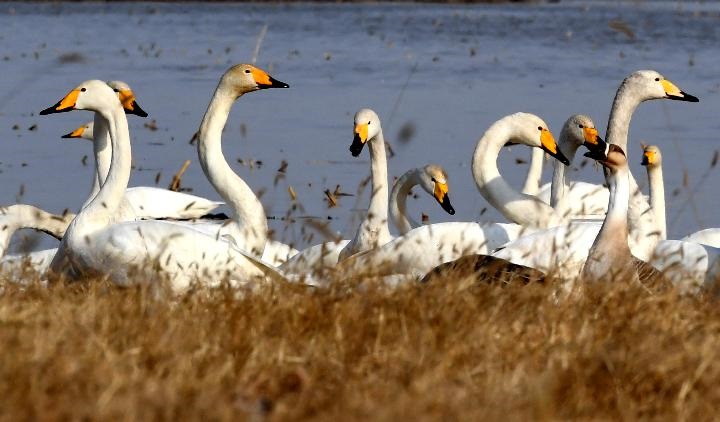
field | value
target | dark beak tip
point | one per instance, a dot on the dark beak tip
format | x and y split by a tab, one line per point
46	111
67	136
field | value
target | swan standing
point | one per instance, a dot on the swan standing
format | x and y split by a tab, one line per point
130	251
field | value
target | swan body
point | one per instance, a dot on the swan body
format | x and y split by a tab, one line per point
689	265
94	246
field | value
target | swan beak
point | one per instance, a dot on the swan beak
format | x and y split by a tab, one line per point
592	140
127	99
549	145
360	137
598	154
441	194
264	81
77	133
66	104
674	93
648	158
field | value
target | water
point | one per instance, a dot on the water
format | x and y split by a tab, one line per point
449	71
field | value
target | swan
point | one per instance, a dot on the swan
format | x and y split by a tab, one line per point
373	230
426	247
577	130
94	246
432	179
149	202
652	160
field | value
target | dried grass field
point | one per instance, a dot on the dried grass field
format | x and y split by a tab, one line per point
445	351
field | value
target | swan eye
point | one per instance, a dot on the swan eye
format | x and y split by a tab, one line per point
657	79
369	122
247	70
116	90
540	128
581	126
433	180
83	89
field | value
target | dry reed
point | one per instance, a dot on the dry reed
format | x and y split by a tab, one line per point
420	352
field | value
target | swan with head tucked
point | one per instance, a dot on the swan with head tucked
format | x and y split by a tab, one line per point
149	202
426	247
94	246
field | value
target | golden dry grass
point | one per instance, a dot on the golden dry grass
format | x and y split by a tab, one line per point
416	353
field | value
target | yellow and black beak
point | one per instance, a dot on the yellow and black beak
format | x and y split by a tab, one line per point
127	99
77	133
264	81
64	105
597	154
441	195
648	158
548	144
360	137
592	141
674	93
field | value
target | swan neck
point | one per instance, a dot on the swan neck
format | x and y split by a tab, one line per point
623	107
560	182
657	198
378	208
398	202
612	238
516	207
249	228
22	216
108	198
534	174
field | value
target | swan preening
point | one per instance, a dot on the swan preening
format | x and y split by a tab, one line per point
108	239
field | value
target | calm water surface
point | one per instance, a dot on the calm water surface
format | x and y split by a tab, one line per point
447	72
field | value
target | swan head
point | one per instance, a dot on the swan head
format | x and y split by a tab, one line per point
243	78
612	158
91	95
651	156
85	132
530	130
127	98
652	85
434	180
580	130
366	127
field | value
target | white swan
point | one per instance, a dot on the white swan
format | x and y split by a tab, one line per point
652	160
128	252
535	170
587	199
149	202
432	179
426	247
373	230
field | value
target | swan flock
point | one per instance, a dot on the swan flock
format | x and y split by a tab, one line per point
572	230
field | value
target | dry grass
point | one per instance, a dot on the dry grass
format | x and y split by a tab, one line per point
419	352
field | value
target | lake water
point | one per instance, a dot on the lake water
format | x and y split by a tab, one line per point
447	71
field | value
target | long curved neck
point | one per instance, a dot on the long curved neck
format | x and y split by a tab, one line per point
657	198
21	216
623	107
560	182
250	224
516	207
534	174
398	201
